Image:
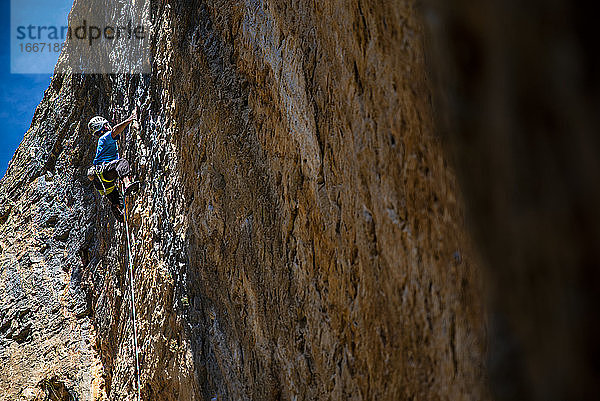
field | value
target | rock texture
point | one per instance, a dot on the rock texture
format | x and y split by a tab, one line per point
298	234
517	90
47	336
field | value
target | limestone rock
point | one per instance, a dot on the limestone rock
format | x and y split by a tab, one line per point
295	235
517	89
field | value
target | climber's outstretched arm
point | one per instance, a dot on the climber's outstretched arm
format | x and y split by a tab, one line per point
118	129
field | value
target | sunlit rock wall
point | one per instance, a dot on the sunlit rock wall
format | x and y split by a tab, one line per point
298	234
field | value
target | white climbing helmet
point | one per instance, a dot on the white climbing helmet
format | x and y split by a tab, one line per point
97	123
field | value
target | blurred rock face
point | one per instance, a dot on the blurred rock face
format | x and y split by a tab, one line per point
517	92
297	234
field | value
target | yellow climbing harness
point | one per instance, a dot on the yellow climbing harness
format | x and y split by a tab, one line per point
110	185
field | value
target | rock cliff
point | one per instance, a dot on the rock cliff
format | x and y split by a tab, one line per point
298	234
517	94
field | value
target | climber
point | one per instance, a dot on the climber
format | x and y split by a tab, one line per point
107	165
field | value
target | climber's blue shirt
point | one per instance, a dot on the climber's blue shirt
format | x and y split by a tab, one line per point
107	149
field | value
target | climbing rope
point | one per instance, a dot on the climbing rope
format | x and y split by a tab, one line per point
131	282
133	313
132	289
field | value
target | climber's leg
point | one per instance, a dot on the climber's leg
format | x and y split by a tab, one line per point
130	187
124	172
122	169
116	204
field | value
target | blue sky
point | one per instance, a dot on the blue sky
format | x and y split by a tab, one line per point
21	93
